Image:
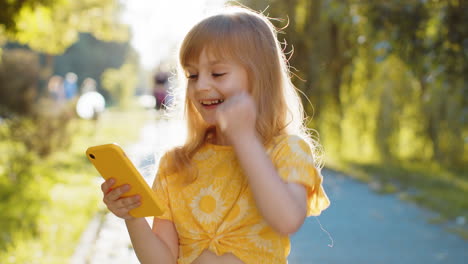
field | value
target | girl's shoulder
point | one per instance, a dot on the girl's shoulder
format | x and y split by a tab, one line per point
285	140
288	145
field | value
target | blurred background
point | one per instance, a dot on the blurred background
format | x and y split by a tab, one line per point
385	84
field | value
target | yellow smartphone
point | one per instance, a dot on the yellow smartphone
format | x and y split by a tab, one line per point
111	162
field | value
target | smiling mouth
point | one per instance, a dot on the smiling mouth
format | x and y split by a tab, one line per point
211	102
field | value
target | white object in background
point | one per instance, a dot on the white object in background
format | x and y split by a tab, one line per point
90	104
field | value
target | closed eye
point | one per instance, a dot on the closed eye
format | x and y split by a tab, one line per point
218	74
192	76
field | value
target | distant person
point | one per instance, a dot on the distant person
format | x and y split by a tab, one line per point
247	176
70	86
91	104
55	89
160	89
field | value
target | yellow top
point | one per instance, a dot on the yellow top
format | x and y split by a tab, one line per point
217	211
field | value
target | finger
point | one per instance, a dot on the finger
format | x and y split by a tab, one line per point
106	186
221	120
134	205
122	213
245	99
127	201
242	95
230	102
239	97
117	192
235	101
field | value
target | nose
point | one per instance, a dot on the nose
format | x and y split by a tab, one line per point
203	83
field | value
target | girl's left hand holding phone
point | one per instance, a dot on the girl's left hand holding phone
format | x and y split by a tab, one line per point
118	205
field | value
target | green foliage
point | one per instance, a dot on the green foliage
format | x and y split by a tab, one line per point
47	202
47	191
9	11
27	141
388	84
51	27
121	83
19	176
44	209
386	79
433	43
18	94
45	131
90	57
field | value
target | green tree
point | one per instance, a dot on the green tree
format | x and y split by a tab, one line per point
387	79
121	84
430	37
320	35
90	57
9	11
50	27
16	94
54	27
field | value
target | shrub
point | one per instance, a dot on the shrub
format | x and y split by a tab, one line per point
17	95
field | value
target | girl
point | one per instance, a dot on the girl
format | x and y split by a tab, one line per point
245	179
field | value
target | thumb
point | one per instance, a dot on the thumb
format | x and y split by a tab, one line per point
221	119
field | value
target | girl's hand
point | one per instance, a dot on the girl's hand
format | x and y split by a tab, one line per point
236	117
114	201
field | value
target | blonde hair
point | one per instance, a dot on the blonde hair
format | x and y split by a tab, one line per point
250	39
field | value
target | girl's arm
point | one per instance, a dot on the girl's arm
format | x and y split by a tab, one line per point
159	246
283	205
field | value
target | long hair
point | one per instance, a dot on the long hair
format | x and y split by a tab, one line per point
248	38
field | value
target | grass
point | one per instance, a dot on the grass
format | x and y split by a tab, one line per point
72	193
429	185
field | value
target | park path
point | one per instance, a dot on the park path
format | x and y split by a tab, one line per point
360	227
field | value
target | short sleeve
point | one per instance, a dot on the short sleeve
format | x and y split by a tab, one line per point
294	162
160	187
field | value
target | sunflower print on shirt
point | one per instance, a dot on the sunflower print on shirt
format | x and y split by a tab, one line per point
208	206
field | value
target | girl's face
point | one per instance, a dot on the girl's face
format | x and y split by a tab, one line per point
211	81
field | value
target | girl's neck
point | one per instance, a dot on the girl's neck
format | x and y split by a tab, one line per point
215	136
